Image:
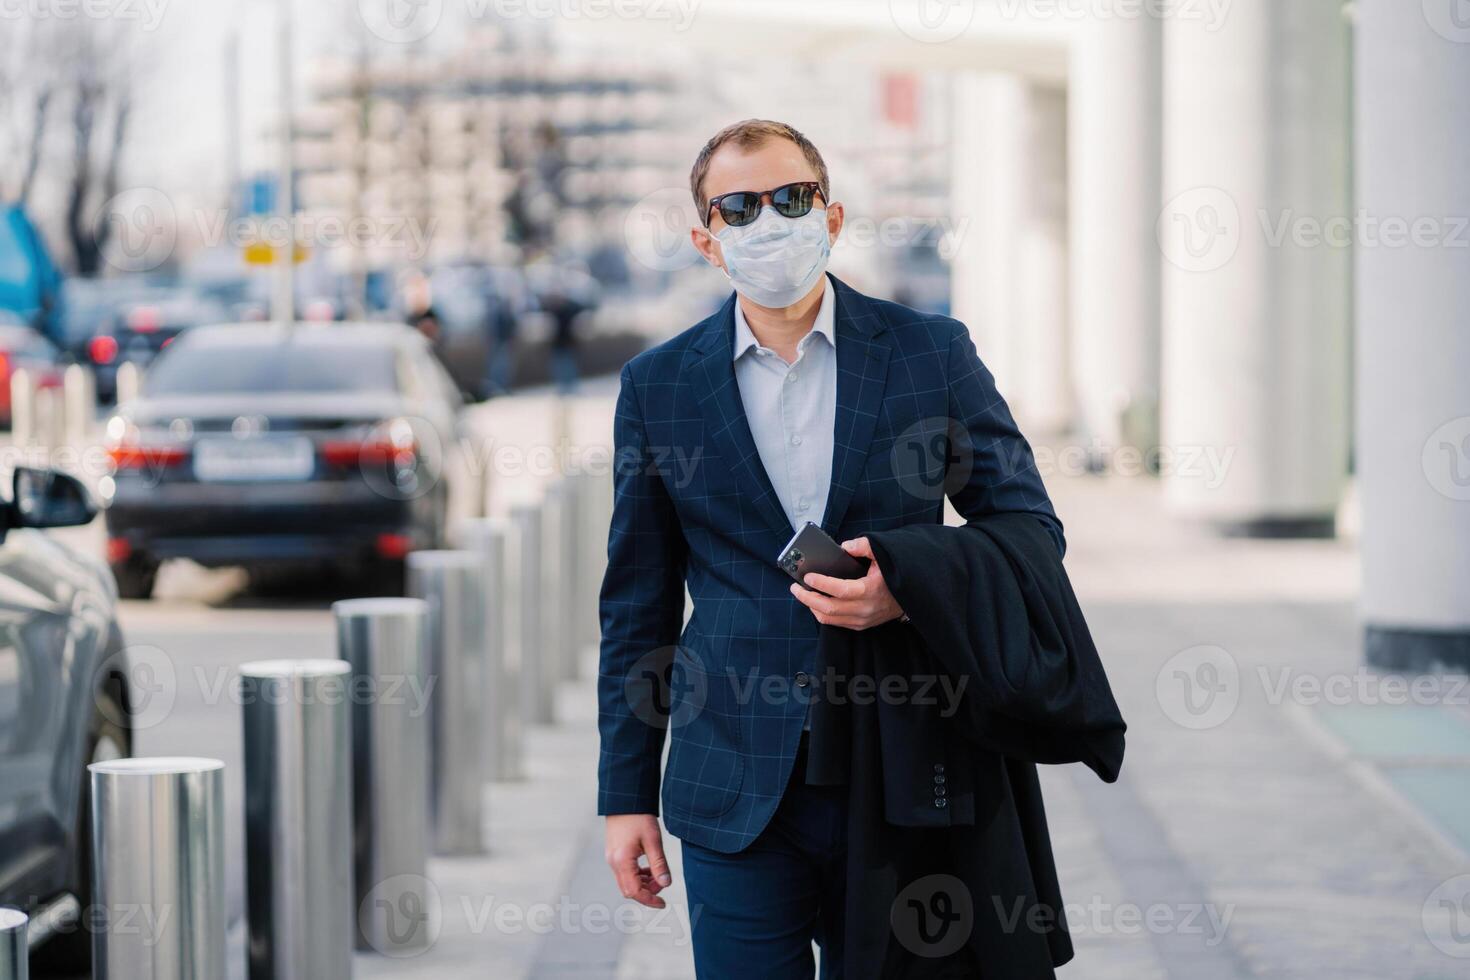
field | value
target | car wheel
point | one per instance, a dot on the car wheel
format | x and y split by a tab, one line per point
70	951
135	578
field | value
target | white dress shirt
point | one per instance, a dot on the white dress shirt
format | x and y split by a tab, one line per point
792	410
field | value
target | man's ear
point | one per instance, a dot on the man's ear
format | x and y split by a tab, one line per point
835	217
708	246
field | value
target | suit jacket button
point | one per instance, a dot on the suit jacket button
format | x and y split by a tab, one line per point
802	680
939	767
940	802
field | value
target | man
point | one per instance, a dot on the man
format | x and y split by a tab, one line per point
800	400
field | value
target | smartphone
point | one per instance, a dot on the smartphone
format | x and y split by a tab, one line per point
813	550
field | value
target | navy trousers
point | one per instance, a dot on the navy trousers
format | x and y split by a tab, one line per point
757	912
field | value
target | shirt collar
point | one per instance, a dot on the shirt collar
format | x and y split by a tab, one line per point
825	325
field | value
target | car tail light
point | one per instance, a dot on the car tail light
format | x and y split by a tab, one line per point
391	443
102	349
4	365
144	319
393	545
133	457
118	549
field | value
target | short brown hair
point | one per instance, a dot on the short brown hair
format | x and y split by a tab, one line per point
749	134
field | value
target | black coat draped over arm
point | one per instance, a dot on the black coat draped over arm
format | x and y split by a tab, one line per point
936	727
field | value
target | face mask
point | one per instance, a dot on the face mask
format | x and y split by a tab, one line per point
775	261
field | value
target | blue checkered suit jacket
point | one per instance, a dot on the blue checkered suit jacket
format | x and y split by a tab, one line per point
918	417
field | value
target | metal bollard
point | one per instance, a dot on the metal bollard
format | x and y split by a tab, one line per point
562	569
79	399
298	818
50	425
158	846
385	641
591	550
504	744
538	673
22	408
453	584
14	961
129	382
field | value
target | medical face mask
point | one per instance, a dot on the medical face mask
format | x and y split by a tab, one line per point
775	261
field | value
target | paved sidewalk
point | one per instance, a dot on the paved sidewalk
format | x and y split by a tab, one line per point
1265	825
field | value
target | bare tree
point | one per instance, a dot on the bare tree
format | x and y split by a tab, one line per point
26	98
66	92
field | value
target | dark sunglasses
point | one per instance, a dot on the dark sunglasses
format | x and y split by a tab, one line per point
742	207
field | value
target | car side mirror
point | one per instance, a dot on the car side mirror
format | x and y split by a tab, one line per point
46	498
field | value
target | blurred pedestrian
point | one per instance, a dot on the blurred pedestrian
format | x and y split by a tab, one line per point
565	313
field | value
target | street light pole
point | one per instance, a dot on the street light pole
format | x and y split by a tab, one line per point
283	305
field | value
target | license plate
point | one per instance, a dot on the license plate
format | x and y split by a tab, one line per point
253	460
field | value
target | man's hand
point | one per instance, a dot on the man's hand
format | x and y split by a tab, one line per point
629	837
853	603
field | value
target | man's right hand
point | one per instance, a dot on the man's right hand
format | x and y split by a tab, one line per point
629	837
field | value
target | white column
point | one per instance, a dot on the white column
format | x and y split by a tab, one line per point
1114	140
1255	302
1413	377
1009	272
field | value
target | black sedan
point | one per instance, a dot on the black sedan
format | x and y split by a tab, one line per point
64	703
262	445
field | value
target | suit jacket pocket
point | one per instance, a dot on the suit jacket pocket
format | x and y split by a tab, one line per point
705	769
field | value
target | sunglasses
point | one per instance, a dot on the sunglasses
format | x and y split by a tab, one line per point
740	208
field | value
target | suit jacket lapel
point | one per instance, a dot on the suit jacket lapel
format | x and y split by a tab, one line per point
862	372
712	369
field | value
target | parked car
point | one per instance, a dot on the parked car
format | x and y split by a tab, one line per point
141	330
264	445
92	306
21	347
64	703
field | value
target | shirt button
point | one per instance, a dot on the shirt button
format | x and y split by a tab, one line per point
796	440
802	504
791	377
802	680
